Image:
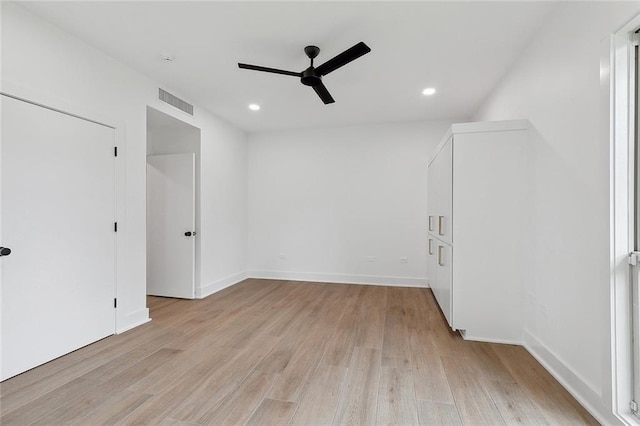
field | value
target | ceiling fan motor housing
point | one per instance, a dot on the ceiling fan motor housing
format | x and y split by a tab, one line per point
310	77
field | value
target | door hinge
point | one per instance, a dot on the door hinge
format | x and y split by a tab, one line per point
115	303
634	258
115	151
634	407
115	226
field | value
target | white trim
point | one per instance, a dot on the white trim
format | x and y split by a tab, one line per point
490	126
467	336
616	116
51	101
341	279
133	320
216	286
480	127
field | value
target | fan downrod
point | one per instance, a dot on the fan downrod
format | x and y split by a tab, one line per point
309	76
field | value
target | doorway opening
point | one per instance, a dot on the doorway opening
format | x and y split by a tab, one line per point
173	206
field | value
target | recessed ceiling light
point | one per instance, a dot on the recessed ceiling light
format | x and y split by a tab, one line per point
254	107
429	91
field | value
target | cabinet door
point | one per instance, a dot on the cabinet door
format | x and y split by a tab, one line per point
444	290
432	196
432	270
444	203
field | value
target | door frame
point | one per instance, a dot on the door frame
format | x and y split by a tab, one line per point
173	114
48	100
617	72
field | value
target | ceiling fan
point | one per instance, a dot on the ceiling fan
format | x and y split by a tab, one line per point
313	76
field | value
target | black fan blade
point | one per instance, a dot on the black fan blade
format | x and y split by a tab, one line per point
265	69
343	58
323	93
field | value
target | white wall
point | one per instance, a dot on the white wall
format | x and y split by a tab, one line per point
556	85
40	60
326	199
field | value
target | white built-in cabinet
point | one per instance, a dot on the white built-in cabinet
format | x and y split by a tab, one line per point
478	228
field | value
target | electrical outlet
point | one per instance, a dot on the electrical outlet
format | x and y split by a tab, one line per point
404	260
282	256
371	259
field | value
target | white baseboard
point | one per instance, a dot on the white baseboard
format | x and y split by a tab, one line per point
341	279
468	336
584	393
221	284
132	320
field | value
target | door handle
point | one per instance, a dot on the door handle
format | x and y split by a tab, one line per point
440	226
440	256
430	223
430	246
189	234
5	251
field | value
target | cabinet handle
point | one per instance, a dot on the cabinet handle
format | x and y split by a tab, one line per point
440	225
430	246
440	256
430	223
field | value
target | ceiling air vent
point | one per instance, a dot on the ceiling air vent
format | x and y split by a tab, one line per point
176	102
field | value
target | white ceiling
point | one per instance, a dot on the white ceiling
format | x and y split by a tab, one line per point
461	48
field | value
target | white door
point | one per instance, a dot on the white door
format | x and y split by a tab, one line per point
58	209
171	225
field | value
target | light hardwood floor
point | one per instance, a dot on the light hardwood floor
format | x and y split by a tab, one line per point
279	352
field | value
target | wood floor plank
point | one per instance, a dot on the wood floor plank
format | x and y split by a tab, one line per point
272	412
174	422
358	402
194	364
319	402
222	381
340	346
159	406
396	398
429	378
121	363
434	413
488	363
474	403
240	404
46	403
396	348
111	410
371	318
513	404
292	381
